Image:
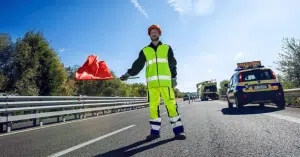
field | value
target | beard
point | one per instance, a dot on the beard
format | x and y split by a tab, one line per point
154	38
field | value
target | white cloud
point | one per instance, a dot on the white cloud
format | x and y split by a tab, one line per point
139	7
181	6
198	7
61	49
243	31
203	7
238	56
209	71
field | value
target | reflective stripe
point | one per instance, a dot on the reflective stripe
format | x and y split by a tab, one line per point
153	78
175	119
156	120
155	127
177	124
160	60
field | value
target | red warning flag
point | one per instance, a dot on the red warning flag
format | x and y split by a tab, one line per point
93	70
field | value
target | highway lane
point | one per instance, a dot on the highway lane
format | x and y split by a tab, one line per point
212	130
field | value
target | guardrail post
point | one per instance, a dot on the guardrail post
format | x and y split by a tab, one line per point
34	120
1	127
8	124
63	117
41	119
8	127
290	99
41	122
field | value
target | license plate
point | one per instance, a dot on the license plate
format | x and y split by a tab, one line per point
260	87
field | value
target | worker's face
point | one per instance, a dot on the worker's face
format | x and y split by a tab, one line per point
154	35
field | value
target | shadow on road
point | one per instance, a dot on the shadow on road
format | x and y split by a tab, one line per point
125	151
248	110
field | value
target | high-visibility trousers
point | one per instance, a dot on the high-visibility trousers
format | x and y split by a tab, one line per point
167	93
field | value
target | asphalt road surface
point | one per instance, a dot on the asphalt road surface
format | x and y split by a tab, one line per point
212	130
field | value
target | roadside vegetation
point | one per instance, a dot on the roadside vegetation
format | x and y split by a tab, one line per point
30	67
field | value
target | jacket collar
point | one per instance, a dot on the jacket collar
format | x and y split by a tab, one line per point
153	46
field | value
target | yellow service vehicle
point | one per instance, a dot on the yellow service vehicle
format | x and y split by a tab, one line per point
254	84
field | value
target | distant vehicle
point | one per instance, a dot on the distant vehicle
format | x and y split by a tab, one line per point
254	84
208	90
186	97
192	97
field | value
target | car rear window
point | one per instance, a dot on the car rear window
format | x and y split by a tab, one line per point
255	75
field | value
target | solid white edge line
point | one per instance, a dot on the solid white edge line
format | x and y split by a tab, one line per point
274	115
278	116
88	142
61	123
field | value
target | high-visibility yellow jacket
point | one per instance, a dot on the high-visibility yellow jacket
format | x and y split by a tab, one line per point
160	65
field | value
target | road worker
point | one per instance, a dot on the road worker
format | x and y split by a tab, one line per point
161	75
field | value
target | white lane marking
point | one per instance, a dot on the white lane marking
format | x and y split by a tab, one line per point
291	119
181	106
62	123
219	102
88	142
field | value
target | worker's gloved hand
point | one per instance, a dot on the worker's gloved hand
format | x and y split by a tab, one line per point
174	82
124	77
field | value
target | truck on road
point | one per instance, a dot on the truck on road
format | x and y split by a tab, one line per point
208	90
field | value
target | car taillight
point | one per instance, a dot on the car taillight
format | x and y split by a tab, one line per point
274	76
241	78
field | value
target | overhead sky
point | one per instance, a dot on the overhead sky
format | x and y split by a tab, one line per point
208	36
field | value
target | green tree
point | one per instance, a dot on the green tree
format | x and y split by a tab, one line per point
178	94
37	68
223	89
125	90
289	61
25	66
6	52
139	90
70	87
111	87
3	80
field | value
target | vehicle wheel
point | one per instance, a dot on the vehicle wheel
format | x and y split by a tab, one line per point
280	104
238	104
262	105
230	105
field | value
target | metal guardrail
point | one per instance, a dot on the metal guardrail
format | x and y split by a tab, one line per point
18	108
288	93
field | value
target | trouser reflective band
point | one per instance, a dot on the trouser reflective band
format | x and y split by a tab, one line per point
155	126
177	124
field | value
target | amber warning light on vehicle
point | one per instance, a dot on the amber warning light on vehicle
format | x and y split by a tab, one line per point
249	65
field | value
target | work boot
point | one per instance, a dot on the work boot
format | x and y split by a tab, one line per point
180	136
152	137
